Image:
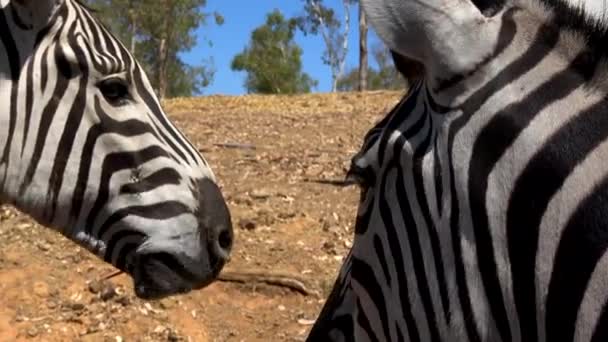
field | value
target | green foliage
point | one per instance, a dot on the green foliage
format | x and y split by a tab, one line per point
384	77
156	31
272	60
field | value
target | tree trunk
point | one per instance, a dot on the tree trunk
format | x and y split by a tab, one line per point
163	49
133	26
162	63
344	51
363	65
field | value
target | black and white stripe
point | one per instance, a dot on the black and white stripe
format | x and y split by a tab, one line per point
86	148
484	210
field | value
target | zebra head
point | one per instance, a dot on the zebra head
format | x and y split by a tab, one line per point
485	188
85	148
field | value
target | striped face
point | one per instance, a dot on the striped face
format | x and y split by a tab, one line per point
88	150
485	190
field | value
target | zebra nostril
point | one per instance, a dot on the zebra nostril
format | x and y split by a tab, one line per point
225	239
216	225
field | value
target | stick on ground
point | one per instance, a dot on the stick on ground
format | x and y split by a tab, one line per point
276	279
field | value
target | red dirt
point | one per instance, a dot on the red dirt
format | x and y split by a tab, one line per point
291	225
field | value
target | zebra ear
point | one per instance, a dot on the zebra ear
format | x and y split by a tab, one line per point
445	36
34	13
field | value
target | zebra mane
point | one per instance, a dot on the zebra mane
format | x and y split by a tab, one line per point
576	18
592	28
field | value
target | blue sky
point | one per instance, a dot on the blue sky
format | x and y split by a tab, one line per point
242	17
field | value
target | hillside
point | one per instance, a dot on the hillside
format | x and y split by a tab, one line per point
267	152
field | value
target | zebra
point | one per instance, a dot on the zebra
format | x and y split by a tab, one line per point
484	192
86	149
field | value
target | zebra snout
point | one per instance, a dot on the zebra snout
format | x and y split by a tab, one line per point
215	224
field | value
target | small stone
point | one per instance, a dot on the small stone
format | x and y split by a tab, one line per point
123	300
43	246
76	306
330	247
259	194
95	286
281	307
303	321
173	336
92	329
32	332
165	304
247	224
287	215
41	289
108	292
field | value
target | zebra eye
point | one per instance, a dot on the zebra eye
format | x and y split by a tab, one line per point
115	90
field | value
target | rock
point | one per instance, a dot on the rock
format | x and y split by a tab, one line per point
32	332
41	289
159	329
243	201
259	194
247	224
108	292
287	215
265	217
95	286
91	329
165	304
123	300
303	321
328	245
75	306
172	336
43	246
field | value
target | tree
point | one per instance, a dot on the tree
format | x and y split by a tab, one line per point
385	76
156	31
272	59
319	18
363	65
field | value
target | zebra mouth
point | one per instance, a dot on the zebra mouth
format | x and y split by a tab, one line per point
153	279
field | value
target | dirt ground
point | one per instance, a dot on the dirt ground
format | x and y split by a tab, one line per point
268	153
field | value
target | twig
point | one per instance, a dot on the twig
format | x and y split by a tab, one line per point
277	279
41	318
335	182
111	275
236	145
269	278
